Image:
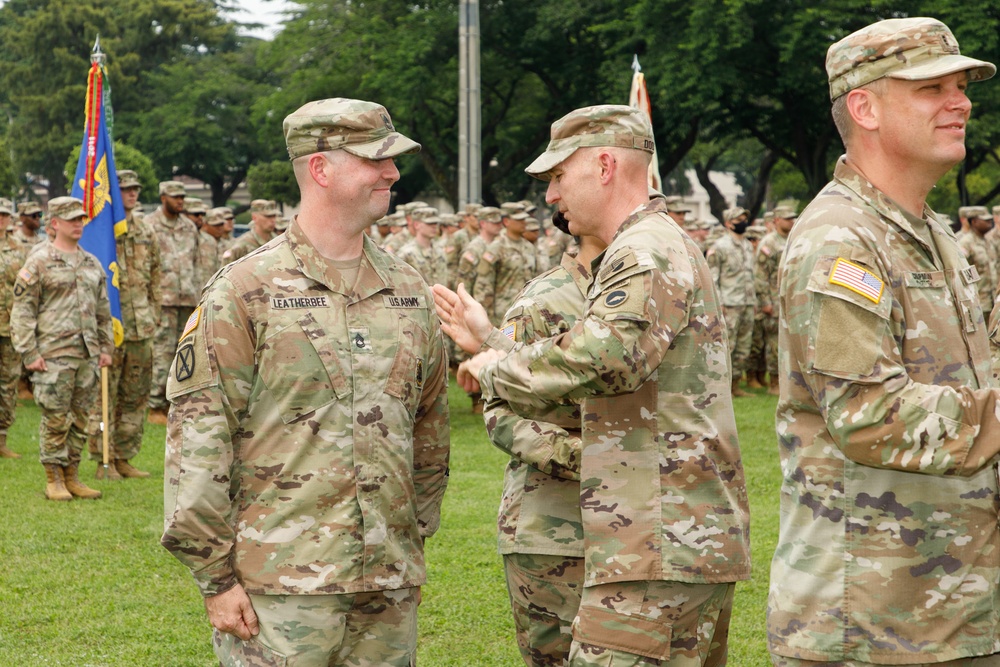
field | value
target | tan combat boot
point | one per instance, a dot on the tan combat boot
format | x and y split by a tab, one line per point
75	486
773	388
126	470
110	474
55	488
4	452
737	392
157	416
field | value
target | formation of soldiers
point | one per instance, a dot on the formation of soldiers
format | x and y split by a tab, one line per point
56	327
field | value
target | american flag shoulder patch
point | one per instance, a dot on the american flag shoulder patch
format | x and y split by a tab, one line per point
857	278
191	324
510	331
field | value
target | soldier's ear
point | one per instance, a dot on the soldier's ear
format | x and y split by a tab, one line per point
320	169
864	107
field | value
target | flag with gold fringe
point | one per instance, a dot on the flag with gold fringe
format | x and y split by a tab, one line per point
96	183
638	98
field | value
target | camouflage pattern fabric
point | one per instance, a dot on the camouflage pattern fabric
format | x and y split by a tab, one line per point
544	598
765	281
11	259
982	255
66	393
139	279
371	629
359	127
739	331
663	495
241	247
209	258
451	248
60	306
172	321
280	354
730	259
129	377
985	661
554	245
468	264
178	249
397	241
505	267
888	437
430	262
10	371
28	242
652	624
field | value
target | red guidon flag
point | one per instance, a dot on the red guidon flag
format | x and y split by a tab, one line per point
638	98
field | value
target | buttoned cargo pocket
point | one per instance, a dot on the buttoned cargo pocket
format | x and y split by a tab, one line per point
300	367
406	377
634	635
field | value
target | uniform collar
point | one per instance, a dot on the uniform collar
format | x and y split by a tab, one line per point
581	274
373	272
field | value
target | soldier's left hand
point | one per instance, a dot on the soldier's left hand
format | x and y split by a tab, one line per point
104	360
462	317
468	371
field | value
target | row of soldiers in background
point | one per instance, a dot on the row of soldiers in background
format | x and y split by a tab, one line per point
980	242
54	319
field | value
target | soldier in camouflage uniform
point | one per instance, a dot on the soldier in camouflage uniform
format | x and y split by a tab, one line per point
663	496
422	251
406	233
765	276
178	239
263	215
731	261
195	210
506	265
451	247
131	371
11	258
490	224
30	214
61	326
210	250
981	254
888	552
307	456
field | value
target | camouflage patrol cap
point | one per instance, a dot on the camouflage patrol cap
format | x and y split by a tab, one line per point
263	207
433	219
734	212
423	212
963	211
194	205
677	205
409	207
450	220
281	224
980	212
227	212
397	219
531	225
6	206
602	125
128	179
756	231
518	216
528	206
28	208
490	214
913	49
216	216
66	208
785	213
996	210
472	209
361	128
509	208
172	189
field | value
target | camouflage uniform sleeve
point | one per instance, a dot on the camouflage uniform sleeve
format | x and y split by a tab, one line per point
614	348
24	314
467	271
714	258
853	367
207	403
105	332
431	434
154	288
762	276
548	439
486	281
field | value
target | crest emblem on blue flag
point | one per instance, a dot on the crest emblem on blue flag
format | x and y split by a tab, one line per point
96	184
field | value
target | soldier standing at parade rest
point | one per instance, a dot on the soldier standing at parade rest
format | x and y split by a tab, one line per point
731	261
981	254
210	246
887	419
662	493
178	238
11	258
307	452
765	275
422	251
61	327
131	372
30	214
263	215
506	265
195	210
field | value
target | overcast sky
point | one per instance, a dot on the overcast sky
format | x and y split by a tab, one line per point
268	12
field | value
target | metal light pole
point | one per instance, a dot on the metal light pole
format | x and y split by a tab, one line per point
470	178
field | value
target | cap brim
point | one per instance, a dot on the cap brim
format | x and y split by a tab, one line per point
391	146
548	161
979	70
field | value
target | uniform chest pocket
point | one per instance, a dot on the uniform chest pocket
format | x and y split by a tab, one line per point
298	364
406	377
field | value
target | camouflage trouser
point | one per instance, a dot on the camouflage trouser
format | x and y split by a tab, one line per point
757	361
128	393
66	393
544	597
10	372
652	623
172	321
739	327
373	629
984	661
771	345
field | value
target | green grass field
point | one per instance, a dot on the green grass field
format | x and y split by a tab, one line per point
86	583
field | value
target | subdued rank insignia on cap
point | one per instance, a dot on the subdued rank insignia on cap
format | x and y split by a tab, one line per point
857	279
615	298
510	331
184	363
191	325
387	123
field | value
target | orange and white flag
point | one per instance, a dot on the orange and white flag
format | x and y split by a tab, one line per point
638	98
